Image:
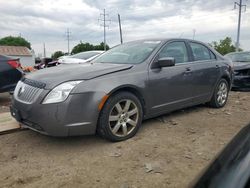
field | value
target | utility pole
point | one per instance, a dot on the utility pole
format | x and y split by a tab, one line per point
44	50
104	20
68	33
120	27
239	22
194	31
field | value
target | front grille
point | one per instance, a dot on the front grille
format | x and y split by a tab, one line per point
26	93
243	72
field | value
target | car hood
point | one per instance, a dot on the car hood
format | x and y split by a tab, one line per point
56	75
241	65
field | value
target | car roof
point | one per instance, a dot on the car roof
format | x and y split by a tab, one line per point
169	39
163	40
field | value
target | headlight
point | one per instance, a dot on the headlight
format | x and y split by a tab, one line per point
60	93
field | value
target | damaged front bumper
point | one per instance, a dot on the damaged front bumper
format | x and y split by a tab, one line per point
75	116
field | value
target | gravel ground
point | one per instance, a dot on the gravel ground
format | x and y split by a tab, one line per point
4	102
168	151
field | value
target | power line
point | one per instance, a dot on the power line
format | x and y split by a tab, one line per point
104	20
239	22
68	34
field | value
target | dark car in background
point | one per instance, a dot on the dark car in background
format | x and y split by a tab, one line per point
112	94
42	63
10	73
241	64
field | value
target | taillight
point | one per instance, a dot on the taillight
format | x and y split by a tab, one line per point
14	64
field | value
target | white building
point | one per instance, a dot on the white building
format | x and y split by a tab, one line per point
25	55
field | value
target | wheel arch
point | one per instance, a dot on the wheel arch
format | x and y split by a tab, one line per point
228	79
132	89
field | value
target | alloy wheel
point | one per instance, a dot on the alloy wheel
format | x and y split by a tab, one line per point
123	118
222	93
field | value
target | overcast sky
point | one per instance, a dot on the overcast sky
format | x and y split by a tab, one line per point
47	21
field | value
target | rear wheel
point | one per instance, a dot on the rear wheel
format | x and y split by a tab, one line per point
120	117
220	95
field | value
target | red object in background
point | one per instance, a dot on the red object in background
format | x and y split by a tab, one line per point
15	64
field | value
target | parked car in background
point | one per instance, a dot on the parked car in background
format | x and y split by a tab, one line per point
241	63
43	63
10	73
81	57
113	93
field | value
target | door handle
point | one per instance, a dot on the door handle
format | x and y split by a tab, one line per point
217	66
188	70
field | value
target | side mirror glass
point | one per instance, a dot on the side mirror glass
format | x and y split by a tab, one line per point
166	62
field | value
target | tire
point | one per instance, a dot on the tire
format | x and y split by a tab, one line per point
121	117
220	95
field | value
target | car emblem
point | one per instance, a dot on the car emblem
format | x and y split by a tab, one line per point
21	91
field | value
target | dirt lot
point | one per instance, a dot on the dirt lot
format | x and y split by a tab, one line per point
168	151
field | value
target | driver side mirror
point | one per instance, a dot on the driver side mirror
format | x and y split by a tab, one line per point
166	62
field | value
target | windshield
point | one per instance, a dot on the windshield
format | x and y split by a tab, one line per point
240	57
129	53
85	55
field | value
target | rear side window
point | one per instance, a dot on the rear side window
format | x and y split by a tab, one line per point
201	52
177	50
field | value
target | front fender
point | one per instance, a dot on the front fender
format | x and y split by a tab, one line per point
108	84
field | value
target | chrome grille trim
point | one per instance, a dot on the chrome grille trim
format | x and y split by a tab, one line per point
34	83
26	93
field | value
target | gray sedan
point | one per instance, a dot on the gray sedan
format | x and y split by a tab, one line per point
116	91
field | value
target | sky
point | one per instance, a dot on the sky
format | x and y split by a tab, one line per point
46	21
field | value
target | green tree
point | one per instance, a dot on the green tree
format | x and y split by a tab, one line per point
101	46
57	54
14	41
82	47
224	46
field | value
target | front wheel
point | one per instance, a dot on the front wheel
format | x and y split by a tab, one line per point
220	95
120	117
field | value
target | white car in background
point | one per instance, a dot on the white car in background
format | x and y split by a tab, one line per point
81	57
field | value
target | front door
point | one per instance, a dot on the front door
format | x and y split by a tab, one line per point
170	87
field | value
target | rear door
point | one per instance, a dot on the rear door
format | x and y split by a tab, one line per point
205	69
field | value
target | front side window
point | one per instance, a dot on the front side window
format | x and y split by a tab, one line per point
200	52
177	50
